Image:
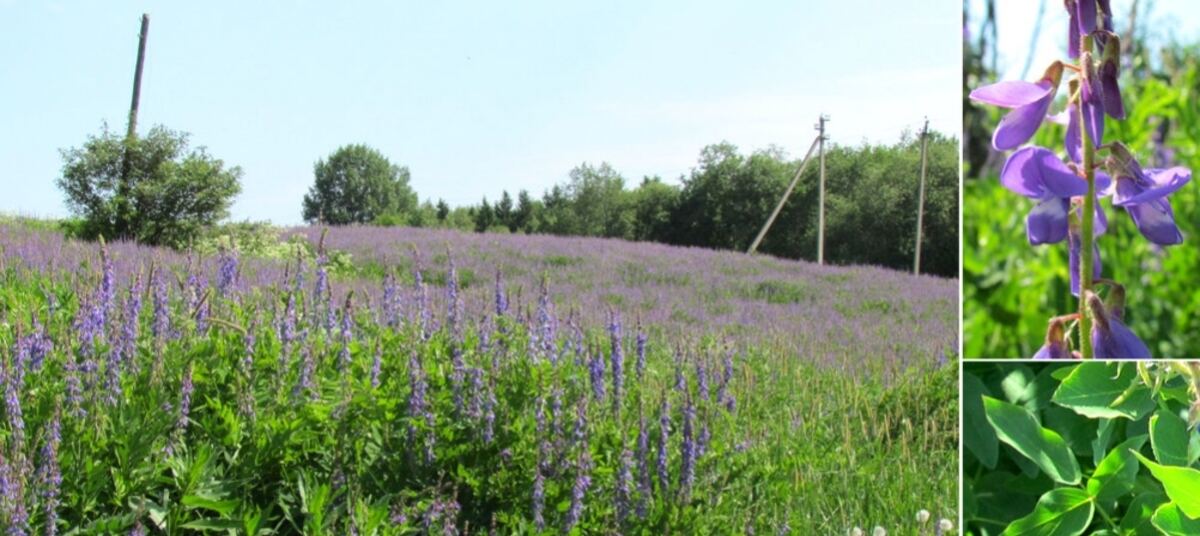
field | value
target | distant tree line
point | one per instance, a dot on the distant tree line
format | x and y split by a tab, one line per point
154	190
871	205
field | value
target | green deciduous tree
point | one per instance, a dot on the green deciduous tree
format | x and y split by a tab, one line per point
357	184
152	189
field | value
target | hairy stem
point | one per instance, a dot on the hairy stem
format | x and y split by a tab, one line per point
1086	219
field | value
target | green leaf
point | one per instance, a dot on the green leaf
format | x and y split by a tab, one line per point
1137	516
978	437
1060	512
223	525
225	508
1169	438
1115	474
1100	390
1018	428
1182	484
1103	438
1171	520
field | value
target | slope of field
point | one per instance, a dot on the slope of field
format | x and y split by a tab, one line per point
401	381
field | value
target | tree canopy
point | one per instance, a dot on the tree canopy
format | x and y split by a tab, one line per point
357	184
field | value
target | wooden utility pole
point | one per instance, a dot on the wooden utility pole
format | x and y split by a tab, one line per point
821	209
921	196
787	193
137	76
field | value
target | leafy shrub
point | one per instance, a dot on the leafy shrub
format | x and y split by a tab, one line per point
150	189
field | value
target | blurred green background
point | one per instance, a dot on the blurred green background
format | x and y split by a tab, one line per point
1011	289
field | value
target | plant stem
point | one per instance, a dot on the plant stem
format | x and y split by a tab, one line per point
1089	213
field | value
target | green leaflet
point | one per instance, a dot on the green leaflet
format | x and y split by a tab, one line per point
1182	485
1018	428
1060	512
1102	390
1115	473
1172	521
1169	438
978	437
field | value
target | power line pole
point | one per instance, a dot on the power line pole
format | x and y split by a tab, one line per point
787	193
821	209
921	196
137	76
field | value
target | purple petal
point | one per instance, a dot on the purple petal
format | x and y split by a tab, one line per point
1021	124
1111	91
1117	342
1152	184
1047	222
1012	93
1156	221
1036	173
1100	223
1086	16
1073	141
1051	351
1072	32
1093	119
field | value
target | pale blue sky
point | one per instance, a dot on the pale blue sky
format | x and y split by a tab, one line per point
473	97
1016	19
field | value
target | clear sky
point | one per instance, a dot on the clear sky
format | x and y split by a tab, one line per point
473	97
1016	19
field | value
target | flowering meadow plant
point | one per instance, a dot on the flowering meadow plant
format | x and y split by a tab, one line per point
1067	192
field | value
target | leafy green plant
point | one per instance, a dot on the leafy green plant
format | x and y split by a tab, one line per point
1090	448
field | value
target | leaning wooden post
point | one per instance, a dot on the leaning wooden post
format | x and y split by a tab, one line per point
124	189
787	193
137	76
921	196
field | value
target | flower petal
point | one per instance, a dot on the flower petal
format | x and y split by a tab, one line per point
1156	221
1021	124
1117	342
1011	93
1036	172
1111	91
1153	184
1073	141
1047	222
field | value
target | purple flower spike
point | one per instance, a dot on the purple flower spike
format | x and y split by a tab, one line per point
1143	193
1029	101
1056	344
1111	339
1037	173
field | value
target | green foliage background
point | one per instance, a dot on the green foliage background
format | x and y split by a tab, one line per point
1079	448
1011	289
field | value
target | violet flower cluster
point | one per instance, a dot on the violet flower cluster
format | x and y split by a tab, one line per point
1067	192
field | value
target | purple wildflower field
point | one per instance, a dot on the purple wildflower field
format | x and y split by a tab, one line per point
407	381
831	314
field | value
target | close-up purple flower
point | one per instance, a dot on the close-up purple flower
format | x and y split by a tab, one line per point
1037	173
1030	101
1143	194
1056	344
1111	339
